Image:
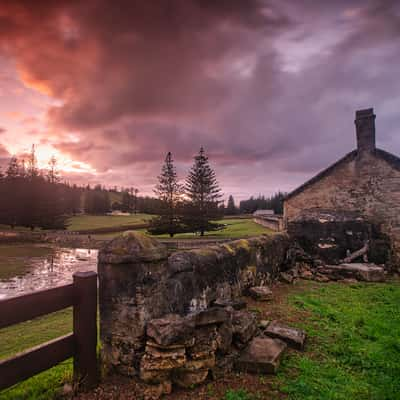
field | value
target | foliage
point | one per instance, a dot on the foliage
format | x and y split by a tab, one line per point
169	192
28	198
97	201
239	394
356	346
274	202
231	209
203	193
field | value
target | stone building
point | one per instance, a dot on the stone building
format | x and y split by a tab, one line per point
364	185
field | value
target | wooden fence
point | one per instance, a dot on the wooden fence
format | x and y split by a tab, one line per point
81	344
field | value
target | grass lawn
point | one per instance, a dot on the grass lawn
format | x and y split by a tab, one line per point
31	333
83	222
353	348
235	228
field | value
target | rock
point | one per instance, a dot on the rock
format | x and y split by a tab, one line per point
261	293
235	304
225	334
244	326
155	362
154	376
293	337
261	356
131	247
348	280
263	324
154	392
206	343
171	329
213	315
321	278
224	365
187	379
306	274
286	277
360	271
200	364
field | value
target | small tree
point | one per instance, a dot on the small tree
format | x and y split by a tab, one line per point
204	195
231	208
169	193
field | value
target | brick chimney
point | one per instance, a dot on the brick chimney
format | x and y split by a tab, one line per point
365	129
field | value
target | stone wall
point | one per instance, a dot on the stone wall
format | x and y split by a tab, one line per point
140	282
365	184
273	222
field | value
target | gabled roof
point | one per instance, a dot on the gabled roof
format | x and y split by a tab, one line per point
390	158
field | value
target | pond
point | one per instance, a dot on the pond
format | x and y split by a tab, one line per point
26	268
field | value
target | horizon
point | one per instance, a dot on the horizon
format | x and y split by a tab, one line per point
269	88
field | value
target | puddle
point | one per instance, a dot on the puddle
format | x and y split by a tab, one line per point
27	268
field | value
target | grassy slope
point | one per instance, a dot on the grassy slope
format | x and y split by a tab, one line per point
355	344
82	222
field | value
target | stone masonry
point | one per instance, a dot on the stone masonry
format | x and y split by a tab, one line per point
152	304
365	182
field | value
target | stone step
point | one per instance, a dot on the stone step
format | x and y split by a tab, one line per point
263	355
293	337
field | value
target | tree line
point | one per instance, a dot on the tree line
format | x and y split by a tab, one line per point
33	198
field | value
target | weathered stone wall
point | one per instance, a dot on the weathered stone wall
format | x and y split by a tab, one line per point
139	282
274	222
366	184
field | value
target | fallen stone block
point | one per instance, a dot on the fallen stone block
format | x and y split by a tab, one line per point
244	327
261	293
235	304
213	315
172	329
294	338
263	323
261	356
360	271
286	277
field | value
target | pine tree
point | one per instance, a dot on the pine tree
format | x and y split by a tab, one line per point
168	191
204	195
231	208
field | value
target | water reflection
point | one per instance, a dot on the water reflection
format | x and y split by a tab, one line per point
54	268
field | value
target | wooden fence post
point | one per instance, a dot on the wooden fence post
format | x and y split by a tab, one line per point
85	328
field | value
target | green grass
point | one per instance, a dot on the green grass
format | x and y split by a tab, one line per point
354	350
235	228
16	338
84	222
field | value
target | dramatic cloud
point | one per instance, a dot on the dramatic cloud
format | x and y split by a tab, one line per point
268	87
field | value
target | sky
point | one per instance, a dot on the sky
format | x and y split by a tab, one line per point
269	88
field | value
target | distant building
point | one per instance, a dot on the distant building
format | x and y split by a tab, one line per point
269	219
365	183
260	213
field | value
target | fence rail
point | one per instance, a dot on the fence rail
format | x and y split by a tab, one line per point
81	344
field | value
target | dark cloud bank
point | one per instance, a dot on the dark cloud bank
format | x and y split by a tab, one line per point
268	87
